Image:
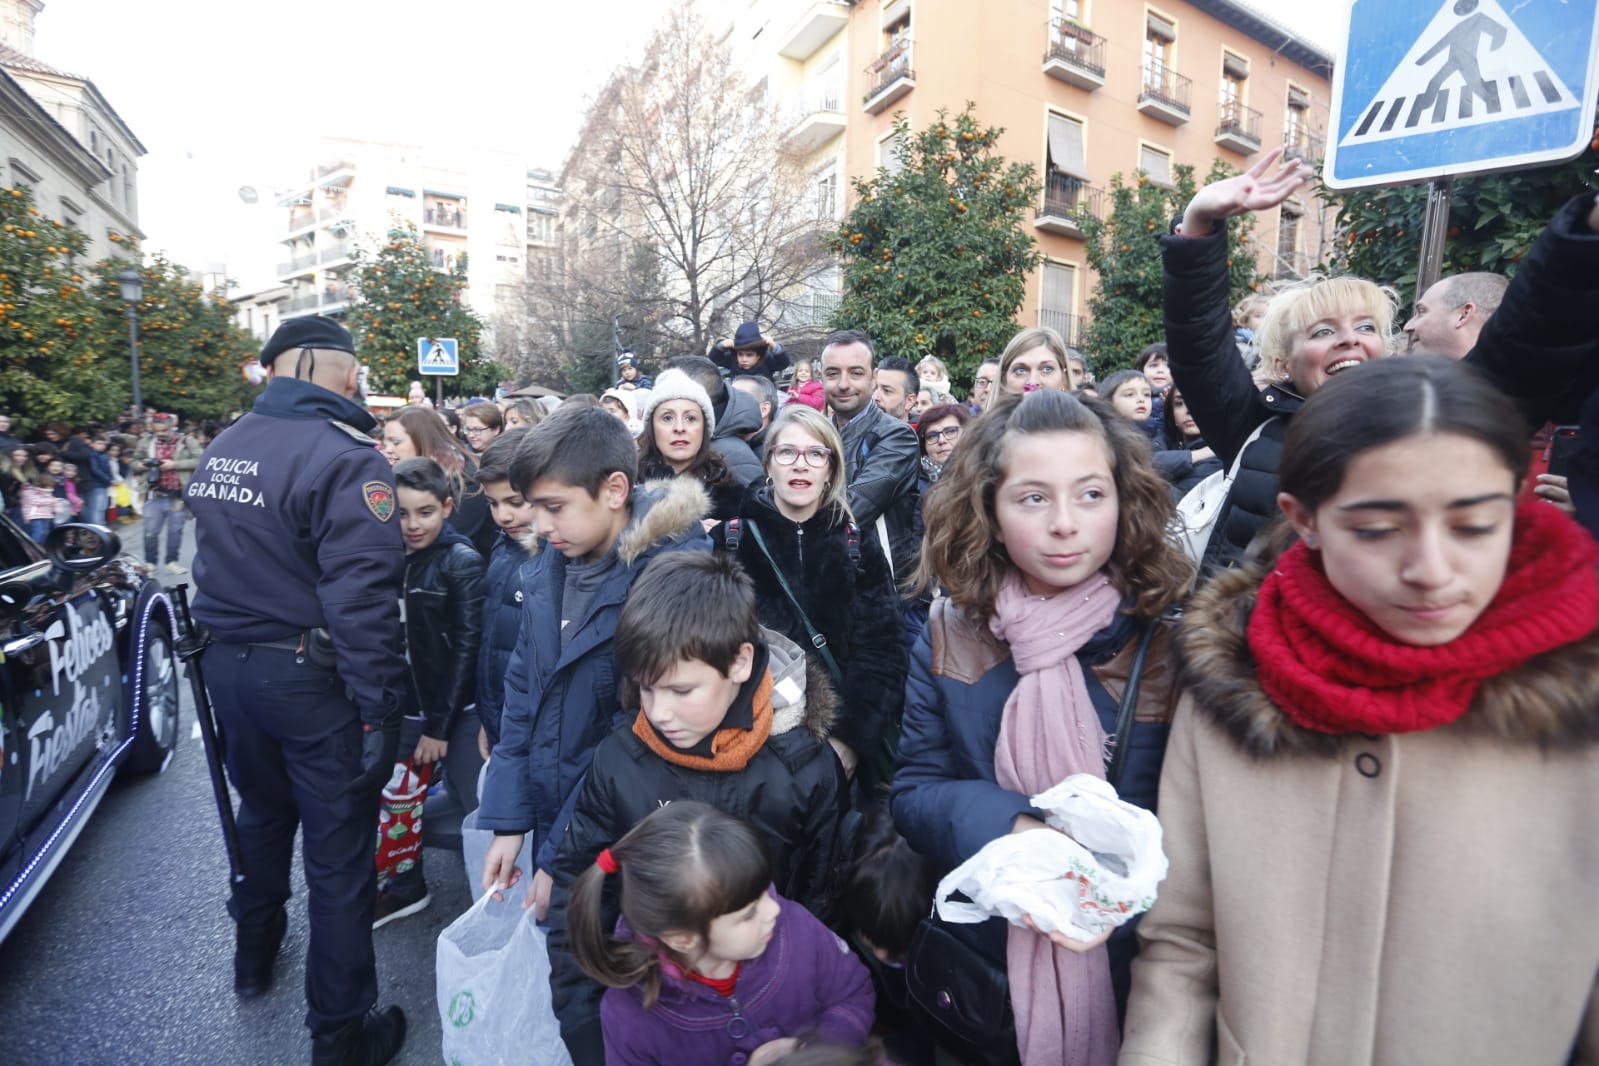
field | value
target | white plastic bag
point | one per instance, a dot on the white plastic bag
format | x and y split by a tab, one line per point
475	851
1100	871
494	988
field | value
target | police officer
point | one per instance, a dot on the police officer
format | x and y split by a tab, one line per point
297	542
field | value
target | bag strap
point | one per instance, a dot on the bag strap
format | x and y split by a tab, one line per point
1238	460
1126	715
732	534
818	640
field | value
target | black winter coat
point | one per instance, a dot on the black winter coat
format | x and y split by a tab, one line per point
853	604
443	629
1178	467
1220	392
502	621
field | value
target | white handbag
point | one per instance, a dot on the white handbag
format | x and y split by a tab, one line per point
1202	505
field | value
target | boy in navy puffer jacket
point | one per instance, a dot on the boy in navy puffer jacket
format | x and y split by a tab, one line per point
502	581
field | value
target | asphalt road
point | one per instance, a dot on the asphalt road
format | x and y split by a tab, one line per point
126	957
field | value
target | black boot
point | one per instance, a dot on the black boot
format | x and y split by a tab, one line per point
369	1041
254	953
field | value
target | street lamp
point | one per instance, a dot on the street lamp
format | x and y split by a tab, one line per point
131	286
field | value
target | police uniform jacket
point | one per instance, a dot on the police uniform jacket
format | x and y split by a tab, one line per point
294	524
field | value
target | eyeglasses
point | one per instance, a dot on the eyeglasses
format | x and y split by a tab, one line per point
938	436
785	455
477	432
983	382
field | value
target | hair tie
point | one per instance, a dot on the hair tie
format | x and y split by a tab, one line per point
606	861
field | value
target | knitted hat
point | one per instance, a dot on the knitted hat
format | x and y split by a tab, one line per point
676	385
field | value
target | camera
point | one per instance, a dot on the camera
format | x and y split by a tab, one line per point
152	476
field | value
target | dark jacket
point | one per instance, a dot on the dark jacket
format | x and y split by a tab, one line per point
1178	467
471	516
562	698
853	604
791	792
443	629
1220	393
502	620
806	982
882	459
773	363
1542	346
294	528
741	415
945	799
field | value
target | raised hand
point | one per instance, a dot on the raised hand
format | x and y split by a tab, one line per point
1254	190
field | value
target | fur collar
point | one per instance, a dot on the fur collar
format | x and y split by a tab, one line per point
1551	700
817	705
663	511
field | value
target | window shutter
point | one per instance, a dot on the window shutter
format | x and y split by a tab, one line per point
1059	281
1156	164
1066	153
1298	99
1234	66
1160	28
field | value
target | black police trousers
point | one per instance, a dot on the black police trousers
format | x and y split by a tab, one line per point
293	745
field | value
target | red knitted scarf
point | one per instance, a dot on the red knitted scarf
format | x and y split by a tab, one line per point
1331	669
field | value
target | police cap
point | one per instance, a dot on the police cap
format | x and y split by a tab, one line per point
311	331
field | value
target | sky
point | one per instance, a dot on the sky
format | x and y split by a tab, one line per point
223	100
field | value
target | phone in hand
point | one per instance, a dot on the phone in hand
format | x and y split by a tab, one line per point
1562	443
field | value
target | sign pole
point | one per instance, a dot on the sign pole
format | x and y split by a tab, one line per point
439	381
1434	227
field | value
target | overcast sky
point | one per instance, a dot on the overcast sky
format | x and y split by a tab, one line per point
223	99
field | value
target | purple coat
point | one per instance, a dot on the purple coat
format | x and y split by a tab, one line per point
805	982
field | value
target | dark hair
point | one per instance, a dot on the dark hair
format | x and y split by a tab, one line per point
681	868
495	462
704	373
937	413
1158	348
431	437
960	549
578	445
1168	418
1108	387
849	336
686	605
423	475
888	888
708	465
1386	400
913	380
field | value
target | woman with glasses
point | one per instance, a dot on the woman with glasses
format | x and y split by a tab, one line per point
480	424
938	431
819	582
416	432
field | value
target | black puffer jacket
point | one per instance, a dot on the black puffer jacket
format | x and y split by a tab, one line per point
1223	398
443	629
853	604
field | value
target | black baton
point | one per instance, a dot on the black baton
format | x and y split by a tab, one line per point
190	645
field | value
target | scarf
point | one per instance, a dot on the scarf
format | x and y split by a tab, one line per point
1065	1008
931	471
731	749
166	450
1332	670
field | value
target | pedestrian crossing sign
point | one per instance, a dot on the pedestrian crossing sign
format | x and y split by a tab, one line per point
1428	88
437	356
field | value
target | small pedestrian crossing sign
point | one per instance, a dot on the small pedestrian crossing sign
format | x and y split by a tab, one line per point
1459	87
438	356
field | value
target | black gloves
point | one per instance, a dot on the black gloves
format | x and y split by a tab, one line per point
379	745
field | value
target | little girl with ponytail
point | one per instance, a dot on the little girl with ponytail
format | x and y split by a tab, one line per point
708	960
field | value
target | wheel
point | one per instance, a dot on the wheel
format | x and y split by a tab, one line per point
156	701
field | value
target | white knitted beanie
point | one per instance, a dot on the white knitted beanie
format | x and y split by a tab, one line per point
676	385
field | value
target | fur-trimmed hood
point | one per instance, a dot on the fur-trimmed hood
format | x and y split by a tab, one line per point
802	693
663	510
1551	700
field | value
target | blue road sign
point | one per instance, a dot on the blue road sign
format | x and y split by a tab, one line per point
438	356
1427	88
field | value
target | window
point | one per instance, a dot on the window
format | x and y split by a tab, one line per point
1296	119
1156	164
1066	170
889	153
1159	36
1065	10
1055	307
1234	72
826	185
1288	223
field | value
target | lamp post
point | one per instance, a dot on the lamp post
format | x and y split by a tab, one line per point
131	286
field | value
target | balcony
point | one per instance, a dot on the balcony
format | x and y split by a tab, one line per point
334	253
815	27
1075	56
1306	146
1063	322
1165	95
332	299
891	78
296	265
444	216
1066	199
816	116
304	218
1239	128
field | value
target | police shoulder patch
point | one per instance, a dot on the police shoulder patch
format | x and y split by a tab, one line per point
364	438
379	496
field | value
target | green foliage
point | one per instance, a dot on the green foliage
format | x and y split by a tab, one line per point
1126	309
190	349
936	257
400	297
1493	220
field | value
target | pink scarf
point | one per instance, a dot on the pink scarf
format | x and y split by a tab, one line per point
1065	1008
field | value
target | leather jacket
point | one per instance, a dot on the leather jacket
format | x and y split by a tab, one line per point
443	629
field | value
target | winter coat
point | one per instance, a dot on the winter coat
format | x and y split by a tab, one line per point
1225	403
791	792
471	516
562	699
1541	348
806	982
811	394
882	459
1178	467
502	620
852	603
945	799
443	630
1425	897
740	416
773	363
184	460
38	504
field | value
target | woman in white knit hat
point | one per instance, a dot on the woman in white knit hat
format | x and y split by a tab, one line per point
676	442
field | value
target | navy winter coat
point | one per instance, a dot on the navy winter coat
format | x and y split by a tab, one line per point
502	620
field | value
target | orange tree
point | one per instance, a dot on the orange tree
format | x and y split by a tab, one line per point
400	297
52	364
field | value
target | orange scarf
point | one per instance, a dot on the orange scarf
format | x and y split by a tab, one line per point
731	749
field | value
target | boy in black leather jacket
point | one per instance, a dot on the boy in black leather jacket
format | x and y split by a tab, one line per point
443	629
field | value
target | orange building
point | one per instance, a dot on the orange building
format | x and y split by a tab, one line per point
1089	88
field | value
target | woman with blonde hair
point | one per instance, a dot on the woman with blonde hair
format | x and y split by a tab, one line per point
816	576
1034	359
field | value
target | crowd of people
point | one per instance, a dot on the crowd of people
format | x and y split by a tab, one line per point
738	659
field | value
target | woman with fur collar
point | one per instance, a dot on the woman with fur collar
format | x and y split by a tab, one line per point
1380	811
